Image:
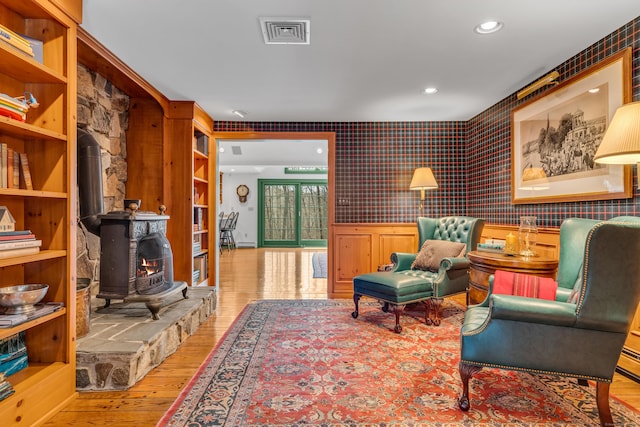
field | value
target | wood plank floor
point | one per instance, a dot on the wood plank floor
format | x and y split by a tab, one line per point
245	275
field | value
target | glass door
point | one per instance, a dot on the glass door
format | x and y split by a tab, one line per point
292	213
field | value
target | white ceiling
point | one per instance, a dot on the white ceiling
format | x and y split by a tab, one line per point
257	154
368	60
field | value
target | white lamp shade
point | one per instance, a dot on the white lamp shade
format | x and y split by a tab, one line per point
423	179
621	141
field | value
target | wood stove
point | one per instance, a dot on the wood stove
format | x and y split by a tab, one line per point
136	262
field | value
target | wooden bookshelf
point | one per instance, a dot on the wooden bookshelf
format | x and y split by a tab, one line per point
192	199
48	137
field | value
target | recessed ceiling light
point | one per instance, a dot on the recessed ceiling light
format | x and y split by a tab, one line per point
430	90
488	27
239	113
319	150
221	149
594	90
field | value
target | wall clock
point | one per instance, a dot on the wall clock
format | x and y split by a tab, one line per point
242	191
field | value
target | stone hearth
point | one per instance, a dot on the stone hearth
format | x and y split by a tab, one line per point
124	343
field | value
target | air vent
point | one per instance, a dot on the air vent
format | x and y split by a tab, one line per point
236	150
285	30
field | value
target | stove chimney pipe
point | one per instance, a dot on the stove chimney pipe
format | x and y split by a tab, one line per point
89	181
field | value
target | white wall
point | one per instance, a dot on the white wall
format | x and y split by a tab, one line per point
246	233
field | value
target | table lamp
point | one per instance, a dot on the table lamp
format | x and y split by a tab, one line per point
621	142
423	179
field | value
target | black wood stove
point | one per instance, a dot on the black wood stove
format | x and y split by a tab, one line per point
136	262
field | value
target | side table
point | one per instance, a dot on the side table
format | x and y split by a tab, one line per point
484	264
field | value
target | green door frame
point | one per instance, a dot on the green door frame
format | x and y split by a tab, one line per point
299	242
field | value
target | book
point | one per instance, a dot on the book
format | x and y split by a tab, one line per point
14	103
10	167
37	46
12	319
14	233
23	108
26	173
3	165
16	170
15	40
17	244
12	114
17	237
12	253
42	309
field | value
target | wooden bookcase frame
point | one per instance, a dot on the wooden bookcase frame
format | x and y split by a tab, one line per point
49	210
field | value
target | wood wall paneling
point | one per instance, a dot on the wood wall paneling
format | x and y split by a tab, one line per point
361	248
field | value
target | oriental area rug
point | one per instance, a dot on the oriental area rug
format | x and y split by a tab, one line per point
309	363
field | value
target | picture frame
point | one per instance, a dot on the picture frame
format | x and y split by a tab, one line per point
555	136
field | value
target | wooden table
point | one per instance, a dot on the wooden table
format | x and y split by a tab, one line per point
484	264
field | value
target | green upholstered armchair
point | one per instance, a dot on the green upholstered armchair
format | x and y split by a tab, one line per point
404	285
582	332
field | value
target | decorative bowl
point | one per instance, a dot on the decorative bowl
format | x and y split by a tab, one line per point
21	299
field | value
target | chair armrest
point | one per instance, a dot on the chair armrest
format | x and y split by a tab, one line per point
457	263
402	260
531	310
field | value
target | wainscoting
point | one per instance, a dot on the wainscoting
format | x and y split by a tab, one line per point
361	248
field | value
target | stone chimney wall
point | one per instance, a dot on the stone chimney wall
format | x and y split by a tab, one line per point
103	111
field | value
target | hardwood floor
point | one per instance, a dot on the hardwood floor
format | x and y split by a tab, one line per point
245	275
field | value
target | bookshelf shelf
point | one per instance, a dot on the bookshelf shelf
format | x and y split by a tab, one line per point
7	332
201	180
22	67
33	193
48	139
25	130
43	255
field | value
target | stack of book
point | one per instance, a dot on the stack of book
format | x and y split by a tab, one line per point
16	41
6	389
13	358
13	107
14	168
18	243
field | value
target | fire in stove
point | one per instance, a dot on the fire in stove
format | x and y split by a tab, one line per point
154	265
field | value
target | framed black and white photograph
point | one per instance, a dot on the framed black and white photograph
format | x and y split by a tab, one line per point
555	136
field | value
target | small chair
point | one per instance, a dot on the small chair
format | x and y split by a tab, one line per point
227	226
579	334
446	273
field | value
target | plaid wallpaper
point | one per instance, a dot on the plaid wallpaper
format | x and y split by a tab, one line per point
470	160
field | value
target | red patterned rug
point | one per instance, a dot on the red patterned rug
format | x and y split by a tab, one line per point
309	363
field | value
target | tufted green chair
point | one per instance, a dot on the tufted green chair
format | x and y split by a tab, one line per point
404	285
541	336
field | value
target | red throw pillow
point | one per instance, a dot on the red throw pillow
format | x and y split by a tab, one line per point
525	285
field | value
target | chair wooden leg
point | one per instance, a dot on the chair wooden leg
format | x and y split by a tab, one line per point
426	310
466	372
602	398
398	309
356	299
434	311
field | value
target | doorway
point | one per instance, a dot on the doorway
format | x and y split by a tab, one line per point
266	138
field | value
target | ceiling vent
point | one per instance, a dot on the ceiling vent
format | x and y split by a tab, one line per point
285	30
236	150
